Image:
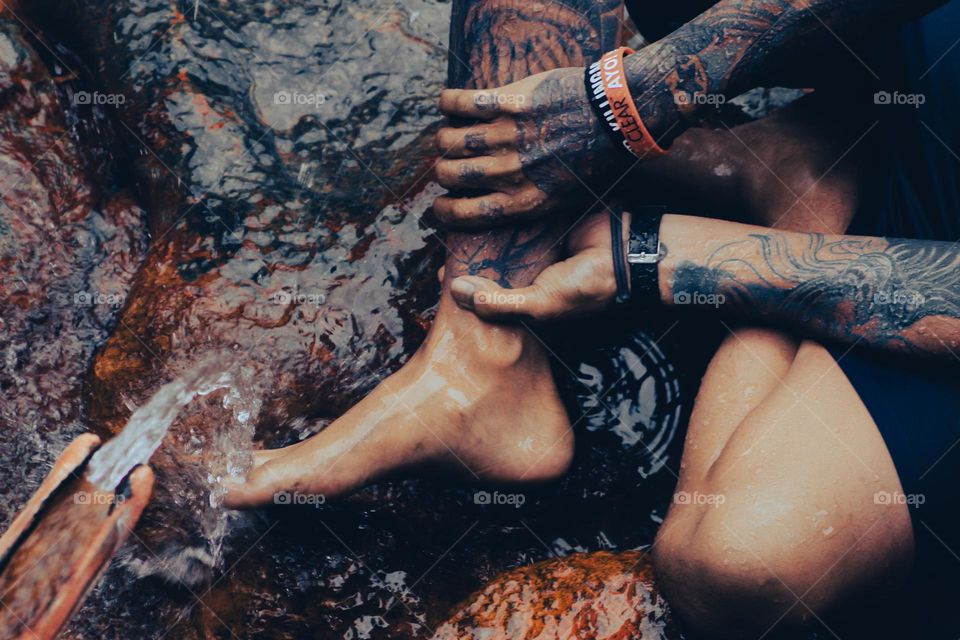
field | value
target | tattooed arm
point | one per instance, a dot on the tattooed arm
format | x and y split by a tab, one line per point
494	42
900	295
738	44
888	293
531	146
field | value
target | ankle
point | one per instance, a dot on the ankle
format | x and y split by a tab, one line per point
458	334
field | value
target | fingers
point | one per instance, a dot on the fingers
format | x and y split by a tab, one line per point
476	140
481	105
490	301
479	173
490	209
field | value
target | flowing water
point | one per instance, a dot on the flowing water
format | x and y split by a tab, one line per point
146	428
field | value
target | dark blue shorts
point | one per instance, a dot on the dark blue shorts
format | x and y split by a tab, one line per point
916	406
913	191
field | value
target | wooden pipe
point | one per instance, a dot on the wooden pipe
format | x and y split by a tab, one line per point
62	541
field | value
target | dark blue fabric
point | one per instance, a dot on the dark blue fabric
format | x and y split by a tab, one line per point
913	191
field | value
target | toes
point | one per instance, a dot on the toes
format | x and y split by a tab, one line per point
257	490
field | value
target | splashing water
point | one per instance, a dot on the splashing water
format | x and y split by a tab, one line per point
148	425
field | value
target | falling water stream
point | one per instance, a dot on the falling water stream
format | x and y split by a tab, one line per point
148	425
35	573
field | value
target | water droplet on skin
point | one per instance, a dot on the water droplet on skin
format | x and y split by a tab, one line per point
828	532
459	397
722	170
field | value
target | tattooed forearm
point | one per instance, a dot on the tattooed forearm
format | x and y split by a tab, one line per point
496	42
895	294
493	43
727	48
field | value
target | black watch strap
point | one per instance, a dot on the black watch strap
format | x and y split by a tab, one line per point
643	255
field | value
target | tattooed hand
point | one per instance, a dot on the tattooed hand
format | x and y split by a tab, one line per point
582	284
531	146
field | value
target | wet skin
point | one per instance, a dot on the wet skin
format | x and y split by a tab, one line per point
744	567
538	143
476	398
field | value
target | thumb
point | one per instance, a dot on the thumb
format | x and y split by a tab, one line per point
490	301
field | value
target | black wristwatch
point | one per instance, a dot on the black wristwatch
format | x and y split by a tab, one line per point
643	255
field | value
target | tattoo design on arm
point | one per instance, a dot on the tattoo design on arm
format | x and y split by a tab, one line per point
551	142
494	43
895	294
735	45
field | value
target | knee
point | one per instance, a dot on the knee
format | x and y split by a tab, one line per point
724	576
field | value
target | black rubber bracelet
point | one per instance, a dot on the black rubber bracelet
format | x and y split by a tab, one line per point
644	254
619	262
597	97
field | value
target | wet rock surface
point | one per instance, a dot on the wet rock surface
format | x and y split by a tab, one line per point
280	150
584	595
281	175
70	244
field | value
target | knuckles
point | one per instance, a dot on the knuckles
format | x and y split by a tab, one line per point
446	173
445	139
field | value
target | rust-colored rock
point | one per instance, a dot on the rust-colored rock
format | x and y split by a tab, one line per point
70	243
600	596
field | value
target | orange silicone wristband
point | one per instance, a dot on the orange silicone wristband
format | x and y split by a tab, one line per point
636	138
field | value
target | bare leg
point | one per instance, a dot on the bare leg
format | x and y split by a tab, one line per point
480	397
797	169
781	436
476	397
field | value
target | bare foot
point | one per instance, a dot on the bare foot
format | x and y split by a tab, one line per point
476	398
